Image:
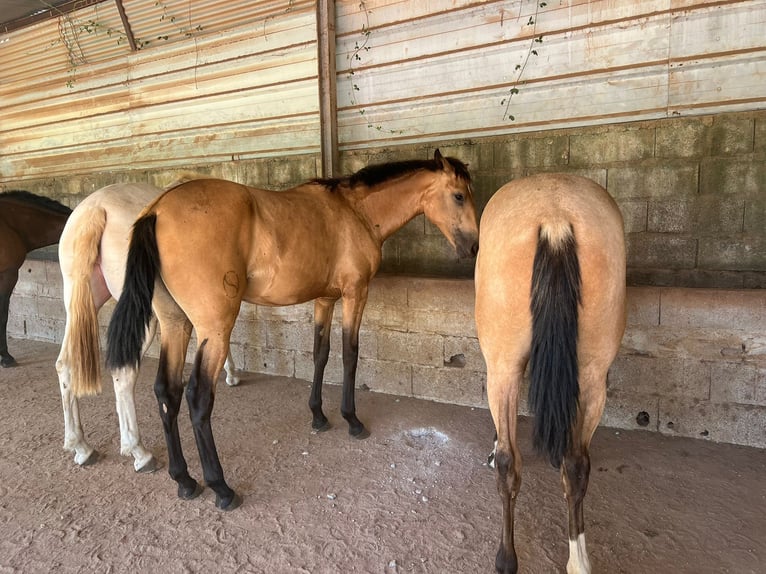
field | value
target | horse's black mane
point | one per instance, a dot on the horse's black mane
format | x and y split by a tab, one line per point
379	173
37	200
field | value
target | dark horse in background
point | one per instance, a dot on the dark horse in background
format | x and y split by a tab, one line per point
27	222
210	244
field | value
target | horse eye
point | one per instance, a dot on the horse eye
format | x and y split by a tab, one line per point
459	197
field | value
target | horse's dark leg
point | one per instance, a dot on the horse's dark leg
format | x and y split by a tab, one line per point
168	388
323	311
508	464
352	319
575	468
200	394
575	471
7	283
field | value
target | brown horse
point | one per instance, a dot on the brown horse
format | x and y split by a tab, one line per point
215	243
92	253
550	292
27	222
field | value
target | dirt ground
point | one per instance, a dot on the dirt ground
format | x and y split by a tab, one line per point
416	496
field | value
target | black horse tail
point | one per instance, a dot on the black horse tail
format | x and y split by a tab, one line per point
554	386
127	328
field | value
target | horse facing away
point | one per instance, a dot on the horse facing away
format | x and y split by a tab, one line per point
92	253
550	291
27	222
215	243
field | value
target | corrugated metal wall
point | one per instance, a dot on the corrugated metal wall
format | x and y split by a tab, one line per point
216	80
443	69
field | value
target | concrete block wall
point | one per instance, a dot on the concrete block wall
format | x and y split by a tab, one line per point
692	363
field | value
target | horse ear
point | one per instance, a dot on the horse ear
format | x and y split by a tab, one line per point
439	158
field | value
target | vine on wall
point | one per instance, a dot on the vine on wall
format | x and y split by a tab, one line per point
362	46
70	32
519	68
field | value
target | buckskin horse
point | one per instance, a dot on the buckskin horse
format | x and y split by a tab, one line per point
92	253
550	294
27	222
215	243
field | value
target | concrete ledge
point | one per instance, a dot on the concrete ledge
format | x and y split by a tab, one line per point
692	363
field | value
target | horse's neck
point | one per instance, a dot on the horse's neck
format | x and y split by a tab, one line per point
390	205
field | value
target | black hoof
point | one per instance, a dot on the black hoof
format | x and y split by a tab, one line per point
190	492
150	466
228	503
92	459
359	434
8	361
321	426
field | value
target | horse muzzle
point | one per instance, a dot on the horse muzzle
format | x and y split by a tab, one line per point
466	245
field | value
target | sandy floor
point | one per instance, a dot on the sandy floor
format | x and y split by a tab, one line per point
414	497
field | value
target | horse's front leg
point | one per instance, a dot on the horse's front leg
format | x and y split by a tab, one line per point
7	283
200	394
353	307
323	311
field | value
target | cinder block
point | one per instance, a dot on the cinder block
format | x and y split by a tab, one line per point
525	152
269	361
732	423
738	253
661	376
734	383
760	386
643	304
391	377
731	135
661	250
463	353
759	144
415	348
669	216
610	145
443	323
440	294
444	384
634	214
288	172
388	291
682	138
713	308
665	180
717	215
254	172
738	176
755	214
626	409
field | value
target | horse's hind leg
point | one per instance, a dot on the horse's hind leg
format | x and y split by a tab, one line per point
169	388
125	397
74	439
502	395
323	311
575	469
200	394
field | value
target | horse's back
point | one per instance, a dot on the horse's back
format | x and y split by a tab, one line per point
555	205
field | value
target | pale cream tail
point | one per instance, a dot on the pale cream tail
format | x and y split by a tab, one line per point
81	345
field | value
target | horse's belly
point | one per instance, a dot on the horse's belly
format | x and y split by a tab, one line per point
286	289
